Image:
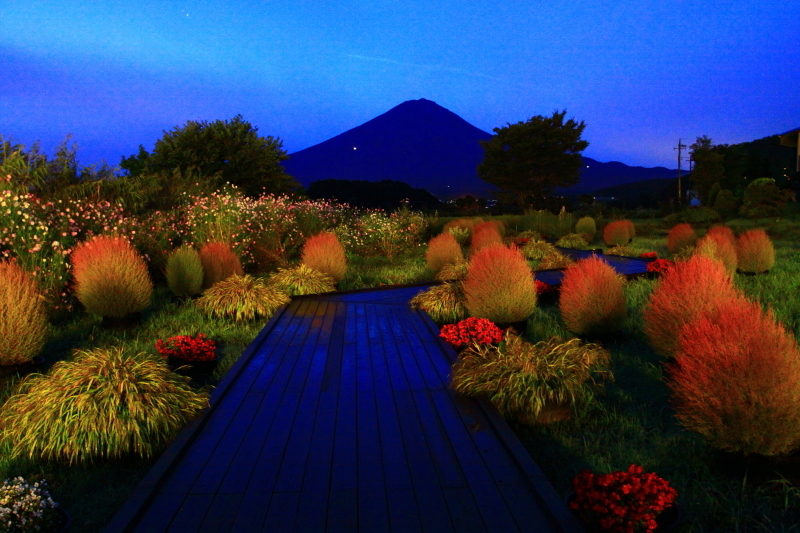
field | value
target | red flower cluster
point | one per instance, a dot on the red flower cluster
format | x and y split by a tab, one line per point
478	330
660	265
199	348
649	255
520	241
622	502
544	288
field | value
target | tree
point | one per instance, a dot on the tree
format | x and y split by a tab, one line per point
220	151
708	167
532	158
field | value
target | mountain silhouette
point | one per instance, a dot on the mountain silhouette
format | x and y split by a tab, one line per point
429	147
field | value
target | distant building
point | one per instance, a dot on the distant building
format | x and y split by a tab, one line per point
790	138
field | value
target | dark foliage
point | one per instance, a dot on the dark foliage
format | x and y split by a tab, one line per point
386	194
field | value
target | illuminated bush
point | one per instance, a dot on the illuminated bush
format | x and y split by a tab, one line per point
620	250
685	291
444	303
618	232
538	250
461	229
719	245
586	226
754	252
679	237
323	252
454	271
496	224
302	280
499	285
576	241
23	317
242	298
103	404
592	298
554	260
219	262
184	272
485	234
737	380
111	278
443	250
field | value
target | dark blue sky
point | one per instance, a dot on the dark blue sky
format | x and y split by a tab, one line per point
641	74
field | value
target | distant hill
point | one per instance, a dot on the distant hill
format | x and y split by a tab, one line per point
427	146
646	193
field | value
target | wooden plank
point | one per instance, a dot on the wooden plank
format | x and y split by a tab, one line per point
159	513
437	364
191	514
221	513
405	349
437	439
342	511
420	347
333	364
403	512
373	514
362	346
464	511
345	467
282	513
392	348
252	512
527	509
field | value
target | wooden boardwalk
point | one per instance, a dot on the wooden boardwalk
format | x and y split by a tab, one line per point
339	417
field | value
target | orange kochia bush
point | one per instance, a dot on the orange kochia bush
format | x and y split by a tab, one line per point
485	234
23	318
443	250
324	253
736	380
754	251
618	232
680	236
719	244
685	291
592	299
219	262
499	285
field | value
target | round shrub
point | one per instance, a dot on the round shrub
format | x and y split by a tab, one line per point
685	291
737	380
679	237
618	232
184	272
592	299
23	317
242	298
722	232
111	278
496	224
460	228
586	226
302	280
444	303
219	262
323	252
443	250
720	247
485	234
725	204
754	252
499	285
103	404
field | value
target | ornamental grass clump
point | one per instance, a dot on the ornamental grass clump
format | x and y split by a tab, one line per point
537	250
685	291
454	271
576	241
679	237
592	298
302	280
485	234
219	262
23	317
102	404
554	260
324	253
499	285
521	379
586	226
243	298
620	250
754	252
443	250
469	331
111	277
737	380
618	232
184	272
444	303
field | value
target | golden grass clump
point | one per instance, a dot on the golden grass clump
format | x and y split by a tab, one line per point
681	236
455	271
102	404
576	241
586	226
592	298
621	250
521	379
537	250
443	250
554	260
444	303
111	277
219	262
184	272
323	252
754	252
242	298
23	317
302	280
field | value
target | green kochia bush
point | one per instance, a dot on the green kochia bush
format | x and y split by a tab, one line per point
586	226
103	404
184	272
23	318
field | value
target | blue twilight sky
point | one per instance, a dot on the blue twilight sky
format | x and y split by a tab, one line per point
641	74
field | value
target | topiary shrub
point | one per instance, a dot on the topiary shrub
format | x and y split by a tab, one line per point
737	380
443	250
23	317
618	232
302	280
242	298
685	291
499	285
219	262
444	303
485	234
576	241
103	404
719	245
679	237
586	226
592	299
184	272
323	252
111	278
754	252
454	271
522	379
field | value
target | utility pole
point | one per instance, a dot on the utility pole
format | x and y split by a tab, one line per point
679	148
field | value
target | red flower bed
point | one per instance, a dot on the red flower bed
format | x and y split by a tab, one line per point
479	330
660	265
544	288
199	348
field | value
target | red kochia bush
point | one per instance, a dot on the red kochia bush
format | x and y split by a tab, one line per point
219	263
737	380
485	234
592	299
499	285
719	245
722	232
684	291
324	253
618	232
680	236
443	250
754	251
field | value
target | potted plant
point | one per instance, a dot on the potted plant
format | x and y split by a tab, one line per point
199	352
29	507
469	331
629	501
